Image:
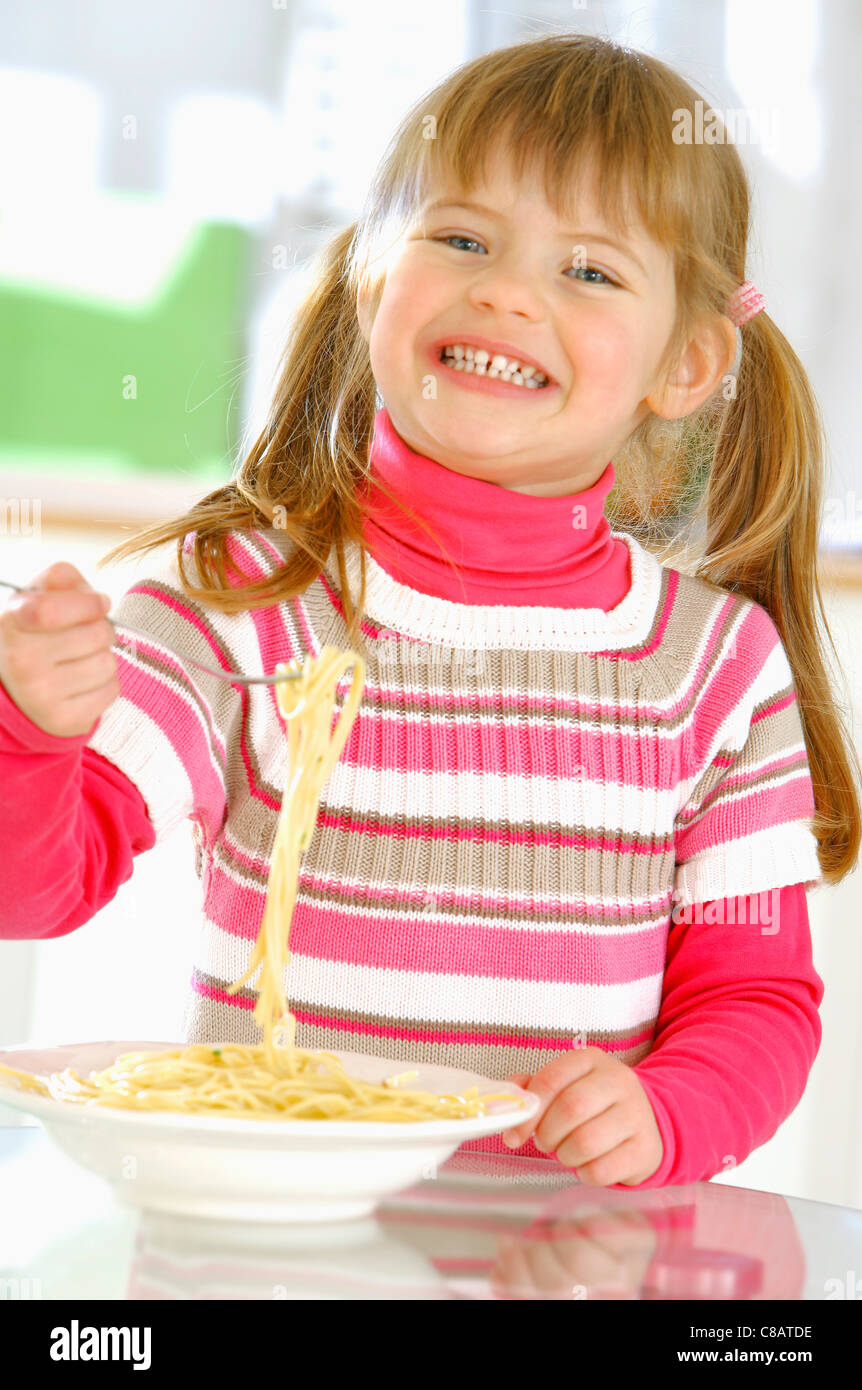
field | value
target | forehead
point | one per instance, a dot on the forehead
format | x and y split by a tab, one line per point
576	204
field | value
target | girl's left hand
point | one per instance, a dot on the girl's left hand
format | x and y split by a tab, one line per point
595	1116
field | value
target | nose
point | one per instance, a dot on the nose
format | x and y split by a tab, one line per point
506	288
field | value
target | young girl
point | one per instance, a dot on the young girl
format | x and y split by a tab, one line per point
569	838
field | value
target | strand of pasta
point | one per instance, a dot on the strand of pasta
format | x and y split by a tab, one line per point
260	1081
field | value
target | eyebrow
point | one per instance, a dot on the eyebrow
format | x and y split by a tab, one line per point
589	236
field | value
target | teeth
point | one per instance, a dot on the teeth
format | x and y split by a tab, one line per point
478	362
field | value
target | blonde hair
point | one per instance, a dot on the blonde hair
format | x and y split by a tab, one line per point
747	470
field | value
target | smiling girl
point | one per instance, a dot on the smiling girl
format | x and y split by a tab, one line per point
576	772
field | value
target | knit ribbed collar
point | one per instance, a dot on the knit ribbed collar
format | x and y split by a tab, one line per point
629	626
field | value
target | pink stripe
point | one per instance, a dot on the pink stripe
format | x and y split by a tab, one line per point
273	634
250	861
775	707
221	996
754	642
394	940
764	809
180	702
435	745
575	956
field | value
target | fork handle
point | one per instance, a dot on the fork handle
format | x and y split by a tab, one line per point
231	676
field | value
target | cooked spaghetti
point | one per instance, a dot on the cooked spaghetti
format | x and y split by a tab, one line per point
276	1080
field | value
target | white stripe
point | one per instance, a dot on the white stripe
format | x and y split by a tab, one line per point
489	798
426	995
134	743
462	998
775	857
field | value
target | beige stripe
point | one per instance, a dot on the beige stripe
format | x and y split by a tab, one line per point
349	896
482	870
209	1021
730	794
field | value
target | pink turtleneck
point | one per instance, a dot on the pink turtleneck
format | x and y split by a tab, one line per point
509	547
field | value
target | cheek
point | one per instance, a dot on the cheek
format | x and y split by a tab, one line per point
417	291
398	317
606	354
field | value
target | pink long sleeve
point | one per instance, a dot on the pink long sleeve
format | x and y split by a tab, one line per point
737	1034
70	825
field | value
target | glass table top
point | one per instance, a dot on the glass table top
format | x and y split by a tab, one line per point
484	1227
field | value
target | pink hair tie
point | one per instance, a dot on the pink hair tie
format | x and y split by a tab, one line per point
744	303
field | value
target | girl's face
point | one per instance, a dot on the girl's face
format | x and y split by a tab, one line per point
593	312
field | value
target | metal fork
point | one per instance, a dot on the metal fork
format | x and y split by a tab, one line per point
231	676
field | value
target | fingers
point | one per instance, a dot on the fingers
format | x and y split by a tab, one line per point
519	1134
88	674
566	1069
85	639
576	1107
518	1078
56	657
547	1084
54	610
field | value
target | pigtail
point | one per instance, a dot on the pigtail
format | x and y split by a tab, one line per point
763	503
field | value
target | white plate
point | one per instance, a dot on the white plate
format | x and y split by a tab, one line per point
253	1170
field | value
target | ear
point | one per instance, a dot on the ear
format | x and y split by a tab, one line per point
698	372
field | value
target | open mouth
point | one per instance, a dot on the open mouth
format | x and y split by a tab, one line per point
495	366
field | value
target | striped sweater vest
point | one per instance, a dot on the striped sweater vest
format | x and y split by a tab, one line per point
525	798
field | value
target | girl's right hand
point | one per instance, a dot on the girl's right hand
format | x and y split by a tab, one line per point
56	660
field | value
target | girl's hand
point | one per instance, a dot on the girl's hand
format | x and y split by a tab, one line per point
595	1116
55	652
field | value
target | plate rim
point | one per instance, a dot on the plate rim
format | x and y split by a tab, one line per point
49	1109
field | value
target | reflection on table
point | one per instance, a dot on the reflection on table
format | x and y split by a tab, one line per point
481	1227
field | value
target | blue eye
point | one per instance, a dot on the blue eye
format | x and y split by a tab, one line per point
457	237
592	271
